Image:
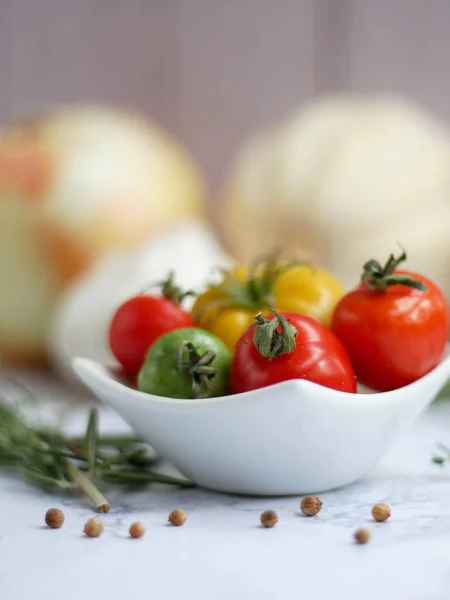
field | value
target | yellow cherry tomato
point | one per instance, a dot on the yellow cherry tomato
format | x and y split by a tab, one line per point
307	290
228	309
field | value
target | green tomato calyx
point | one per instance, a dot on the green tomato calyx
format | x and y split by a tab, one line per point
169	289
173	292
273	337
189	360
379	278
253	293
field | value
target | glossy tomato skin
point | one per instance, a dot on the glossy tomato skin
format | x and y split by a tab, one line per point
138	323
300	289
318	356
161	377
393	337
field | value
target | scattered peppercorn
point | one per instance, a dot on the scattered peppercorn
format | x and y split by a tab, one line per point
54	518
310	505
381	512
362	536
137	530
178	517
94	527
269	518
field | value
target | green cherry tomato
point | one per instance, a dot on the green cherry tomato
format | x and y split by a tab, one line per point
186	363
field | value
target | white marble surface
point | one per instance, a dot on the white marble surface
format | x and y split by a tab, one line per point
223	554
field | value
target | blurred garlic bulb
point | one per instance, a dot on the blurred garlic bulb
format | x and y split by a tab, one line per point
343	180
73	186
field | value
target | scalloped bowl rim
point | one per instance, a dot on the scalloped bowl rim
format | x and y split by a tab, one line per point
104	372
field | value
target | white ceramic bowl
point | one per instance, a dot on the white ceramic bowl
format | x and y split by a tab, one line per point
295	437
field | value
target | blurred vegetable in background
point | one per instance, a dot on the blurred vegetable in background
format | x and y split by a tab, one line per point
343	178
74	186
97	204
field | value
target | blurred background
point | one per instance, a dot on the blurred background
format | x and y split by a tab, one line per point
317	126
212	72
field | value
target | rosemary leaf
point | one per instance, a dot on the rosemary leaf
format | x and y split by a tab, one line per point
61	454
115	461
41	478
132	476
91	441
57	460
111	441
443	448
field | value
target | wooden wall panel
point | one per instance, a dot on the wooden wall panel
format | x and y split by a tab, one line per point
242	63
95	50
5	59
331	46
212	71
402	46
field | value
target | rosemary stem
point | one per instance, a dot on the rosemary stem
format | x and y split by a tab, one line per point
75	448
86	485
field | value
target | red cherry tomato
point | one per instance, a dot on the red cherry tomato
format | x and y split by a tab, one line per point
138	323
393	333
318	356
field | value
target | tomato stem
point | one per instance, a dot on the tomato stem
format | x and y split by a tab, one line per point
273	337
173	292
198	367
379	278
169	289
255	292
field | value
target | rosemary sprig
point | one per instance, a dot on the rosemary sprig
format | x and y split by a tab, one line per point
51	459
444	456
